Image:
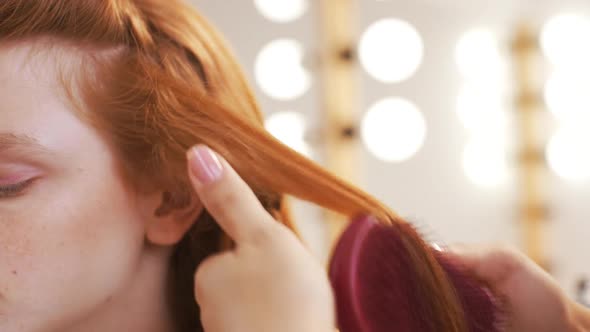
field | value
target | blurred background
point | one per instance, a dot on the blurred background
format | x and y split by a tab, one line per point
470	118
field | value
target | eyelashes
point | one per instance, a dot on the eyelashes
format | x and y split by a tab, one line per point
14	190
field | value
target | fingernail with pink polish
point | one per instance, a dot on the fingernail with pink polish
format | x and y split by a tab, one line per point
204	164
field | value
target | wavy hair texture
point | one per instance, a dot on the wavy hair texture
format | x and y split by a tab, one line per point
156	78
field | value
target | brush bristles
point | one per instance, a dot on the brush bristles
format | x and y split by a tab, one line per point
376	290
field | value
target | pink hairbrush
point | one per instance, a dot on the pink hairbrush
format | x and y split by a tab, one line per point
376	291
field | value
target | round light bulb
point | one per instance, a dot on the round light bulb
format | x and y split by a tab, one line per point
282	11
279	70
478	56
393	129
391	50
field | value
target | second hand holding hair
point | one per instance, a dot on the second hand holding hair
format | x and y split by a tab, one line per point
269	281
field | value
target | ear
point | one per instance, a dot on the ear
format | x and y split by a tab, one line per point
168	218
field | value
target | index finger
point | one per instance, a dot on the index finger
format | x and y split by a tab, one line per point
226	196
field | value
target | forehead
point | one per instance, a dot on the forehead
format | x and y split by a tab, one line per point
28	80
32	100
52	62
51	69
36	60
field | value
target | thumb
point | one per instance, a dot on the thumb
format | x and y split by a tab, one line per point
490	264
226	196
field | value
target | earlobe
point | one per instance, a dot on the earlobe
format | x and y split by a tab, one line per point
170	222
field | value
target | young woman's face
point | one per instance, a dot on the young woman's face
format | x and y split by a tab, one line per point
71	231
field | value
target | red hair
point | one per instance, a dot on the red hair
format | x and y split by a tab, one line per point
170	83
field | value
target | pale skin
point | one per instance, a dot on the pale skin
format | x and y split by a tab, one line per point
81	251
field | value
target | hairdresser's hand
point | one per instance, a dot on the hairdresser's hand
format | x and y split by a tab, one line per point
269	282
535	302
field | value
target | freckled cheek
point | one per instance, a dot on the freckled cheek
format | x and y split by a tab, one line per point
37	242
46	250
41	263
21	256
17	244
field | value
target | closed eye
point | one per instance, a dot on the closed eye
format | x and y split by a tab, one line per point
14	190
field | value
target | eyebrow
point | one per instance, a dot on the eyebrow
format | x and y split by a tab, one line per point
9	141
